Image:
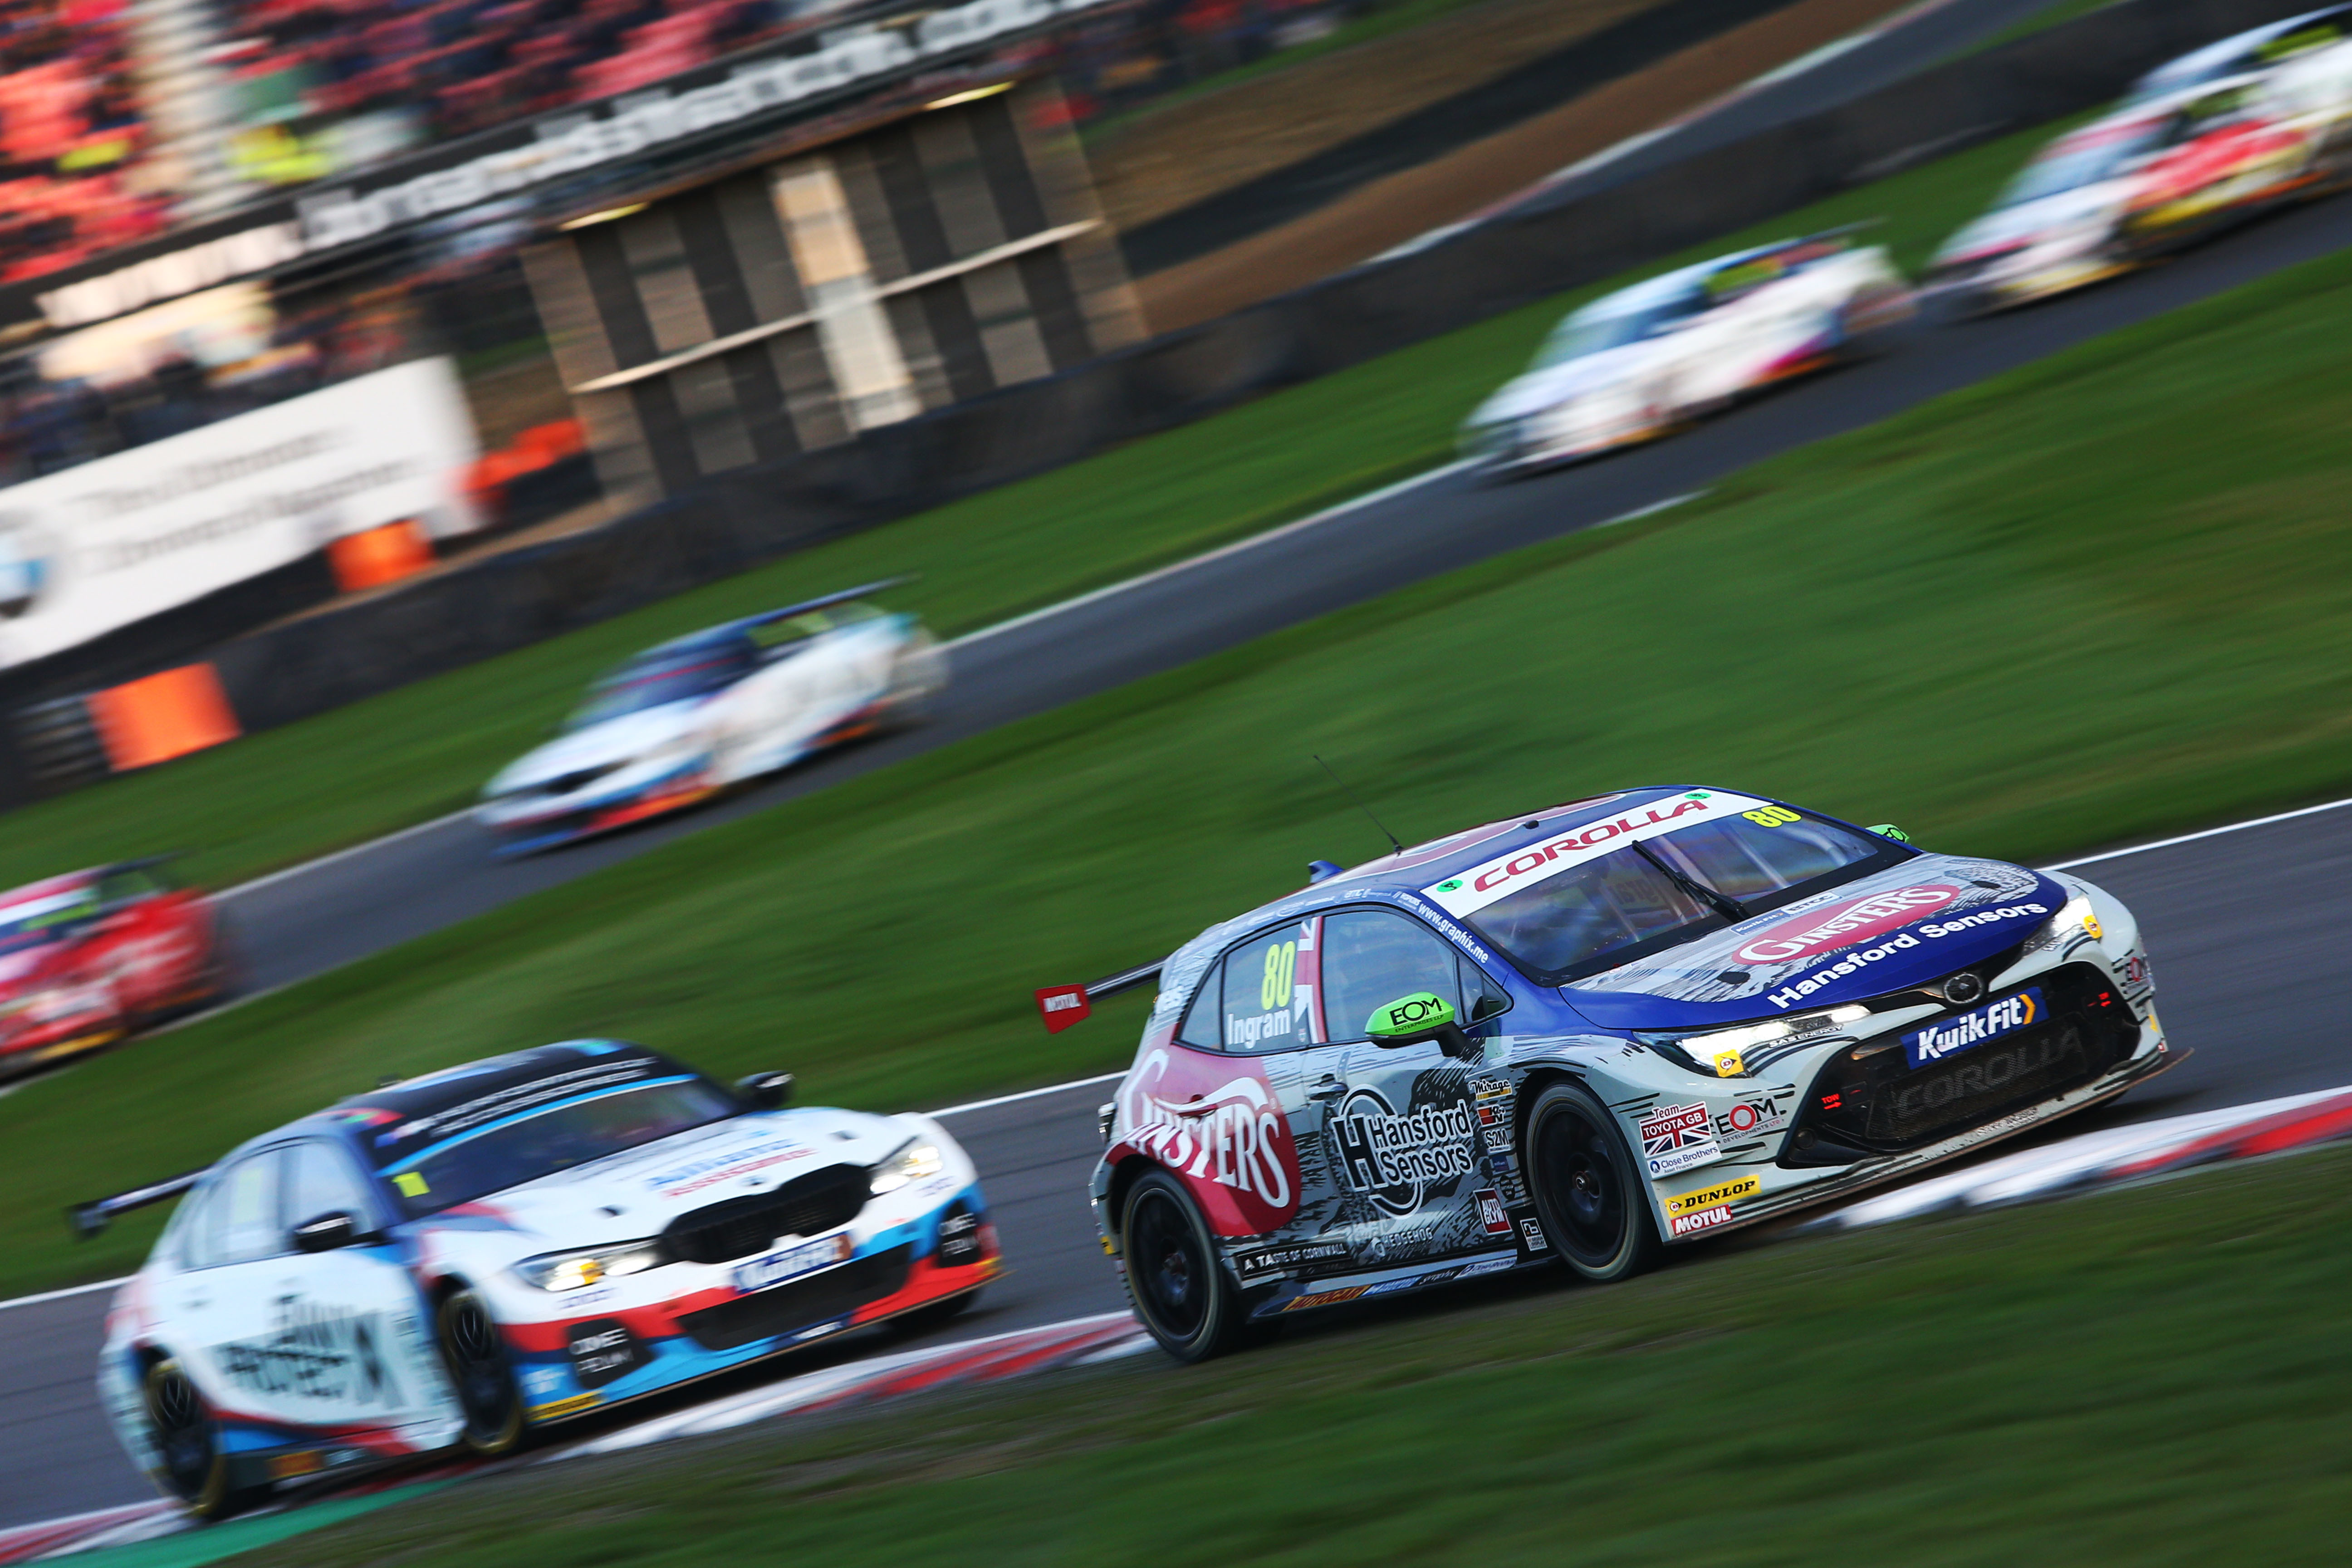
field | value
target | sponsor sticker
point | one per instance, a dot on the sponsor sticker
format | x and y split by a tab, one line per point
1493	1098
303	1462
1396	1156
602	1350
1487	1265
1490	1212
1716	1196
1704	1219
817	1331
571	1406
1844	925
1471	890
1854	963
1749	1118
1268	1260
760	1273
1325	1298
1950	1037
1677	1138
1532	1234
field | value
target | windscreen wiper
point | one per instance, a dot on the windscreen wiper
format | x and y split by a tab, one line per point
1724	904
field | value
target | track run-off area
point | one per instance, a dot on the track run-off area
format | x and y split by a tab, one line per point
2240	922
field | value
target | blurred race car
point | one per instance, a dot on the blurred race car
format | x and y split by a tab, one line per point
1584	1034
1636	364
2157	175
87	958
681	722
464	1258
2239	54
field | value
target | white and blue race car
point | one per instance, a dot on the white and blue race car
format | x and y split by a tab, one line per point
455	1261
681	722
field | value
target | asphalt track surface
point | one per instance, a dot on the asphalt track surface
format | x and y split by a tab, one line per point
2242	926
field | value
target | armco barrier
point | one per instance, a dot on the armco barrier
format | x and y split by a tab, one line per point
725	524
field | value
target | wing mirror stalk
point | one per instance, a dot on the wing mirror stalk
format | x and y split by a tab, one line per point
765	1090
330	1232
1423	1015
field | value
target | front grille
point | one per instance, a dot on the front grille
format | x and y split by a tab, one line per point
807	1205
1867	1099
780	1309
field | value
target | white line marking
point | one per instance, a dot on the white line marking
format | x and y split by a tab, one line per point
2206	833
1372	498
1031	1093
372	843
61	1295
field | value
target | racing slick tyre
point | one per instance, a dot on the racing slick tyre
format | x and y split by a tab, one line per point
1590	1197
476	1354
1180	1290
196	1467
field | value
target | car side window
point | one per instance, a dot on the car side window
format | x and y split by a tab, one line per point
117	889
322	1181
248	1225
1371	957
1202	1024
1263	1010
1485	998
193	1231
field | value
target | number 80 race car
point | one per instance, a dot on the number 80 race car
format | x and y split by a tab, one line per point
464	1257
1587	1033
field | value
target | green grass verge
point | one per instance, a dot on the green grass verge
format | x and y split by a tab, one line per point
2146	1377
417	753
2098	597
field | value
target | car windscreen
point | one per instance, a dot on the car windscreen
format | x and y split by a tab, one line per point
1591	332
38	921
1644	897
539	1142
653	681
2073	164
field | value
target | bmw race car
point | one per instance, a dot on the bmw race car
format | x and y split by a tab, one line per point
1640	362
2159	173
2239	54
88	958
681	722
464	1258
1587	1033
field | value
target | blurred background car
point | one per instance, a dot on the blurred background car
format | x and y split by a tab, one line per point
2162	171
683	721
92	956
1633	364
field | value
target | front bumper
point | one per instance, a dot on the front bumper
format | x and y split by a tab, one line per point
525	824
614	1346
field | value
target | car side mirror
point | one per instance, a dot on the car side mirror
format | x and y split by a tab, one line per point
1423	1015
765	1090
1888	830
326	1233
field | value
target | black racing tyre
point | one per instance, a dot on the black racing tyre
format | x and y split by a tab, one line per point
1594	1205
196	1469
1193	1307
475	1352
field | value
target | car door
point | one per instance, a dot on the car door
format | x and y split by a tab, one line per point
351	1316
1405	1130
219	1307
1230	1104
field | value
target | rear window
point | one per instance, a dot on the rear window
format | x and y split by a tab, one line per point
1629	904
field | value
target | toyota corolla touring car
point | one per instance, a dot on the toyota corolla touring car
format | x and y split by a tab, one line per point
1587	1033
464	1258
92	956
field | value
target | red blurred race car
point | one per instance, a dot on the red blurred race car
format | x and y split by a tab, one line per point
89	957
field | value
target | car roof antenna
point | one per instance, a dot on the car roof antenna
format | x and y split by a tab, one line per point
1359	804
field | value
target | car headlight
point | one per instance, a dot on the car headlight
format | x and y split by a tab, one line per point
1723	1051
912	1163
2075	915
578	1271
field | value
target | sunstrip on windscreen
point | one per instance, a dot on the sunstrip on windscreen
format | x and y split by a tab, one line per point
1466	892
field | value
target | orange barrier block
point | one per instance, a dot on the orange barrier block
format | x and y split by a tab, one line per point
380	555
162	716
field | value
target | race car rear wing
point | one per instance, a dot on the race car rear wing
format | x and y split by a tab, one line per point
824	602
88	1219
1063	1006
